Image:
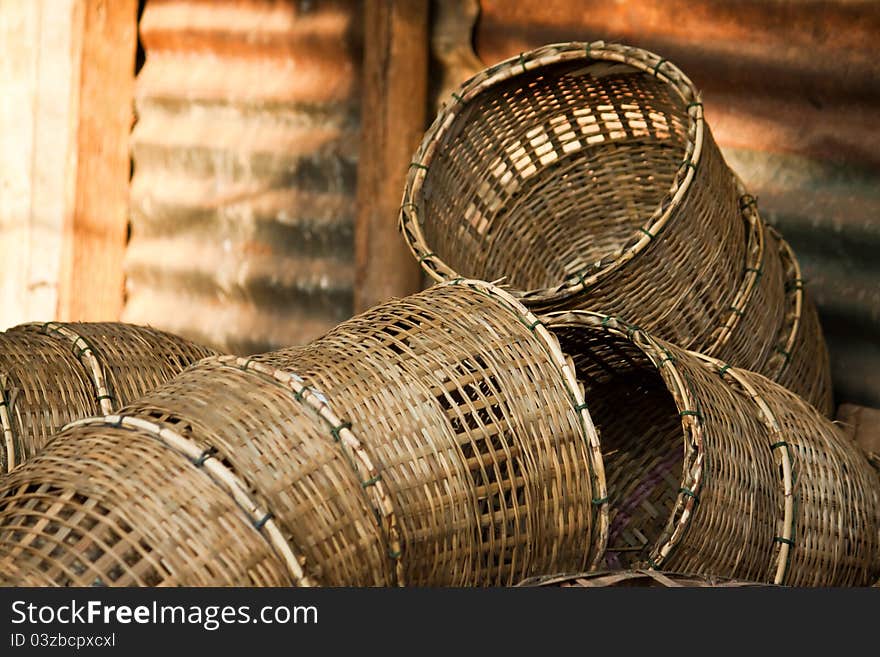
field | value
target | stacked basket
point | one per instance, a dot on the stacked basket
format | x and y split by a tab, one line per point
54	373
583	175
439	439
474	434
444	439
748	495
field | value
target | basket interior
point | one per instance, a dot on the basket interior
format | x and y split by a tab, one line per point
641	437
552	170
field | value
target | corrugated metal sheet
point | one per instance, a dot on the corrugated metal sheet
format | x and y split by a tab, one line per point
792	92
244	151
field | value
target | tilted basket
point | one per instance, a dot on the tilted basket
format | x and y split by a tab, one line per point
772	327
751	326
583	175
444	439
799	360
715	470
122	502
54	373
439	439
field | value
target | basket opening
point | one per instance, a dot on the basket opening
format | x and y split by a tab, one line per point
641	437
548	172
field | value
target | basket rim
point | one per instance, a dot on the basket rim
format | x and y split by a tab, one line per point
409	219
752	271
685	398
687	402
786	341
85	353
6	425
786	540
566	370
341	432
665	577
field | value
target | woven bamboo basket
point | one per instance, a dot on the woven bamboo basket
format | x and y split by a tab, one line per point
54	373
125	503
716	470
437	439
583	175
750	330
799	359
644	578
772	295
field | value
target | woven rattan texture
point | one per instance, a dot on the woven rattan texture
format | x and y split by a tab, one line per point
637	578
55	373
288	456
437	439
642	436
135	359
475	431
583	175
43	387
749	336
799	360
834	538
104	505
734	510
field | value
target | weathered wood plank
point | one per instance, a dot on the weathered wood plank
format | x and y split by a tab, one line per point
393	116
95	232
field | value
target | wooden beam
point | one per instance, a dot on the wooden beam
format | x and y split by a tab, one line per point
91	285
393	117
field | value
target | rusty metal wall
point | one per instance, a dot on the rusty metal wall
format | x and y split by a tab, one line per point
792	92
244	154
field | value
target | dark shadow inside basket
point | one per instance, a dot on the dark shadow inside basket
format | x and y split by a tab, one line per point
546	173
641	437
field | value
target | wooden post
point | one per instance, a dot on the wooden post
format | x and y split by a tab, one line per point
393	116
96	222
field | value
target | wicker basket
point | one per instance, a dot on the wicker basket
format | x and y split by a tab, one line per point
124	502
750	331
828	472
52	374
437	439
799	360
773	327
750	496
583	175
635	578
480	429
